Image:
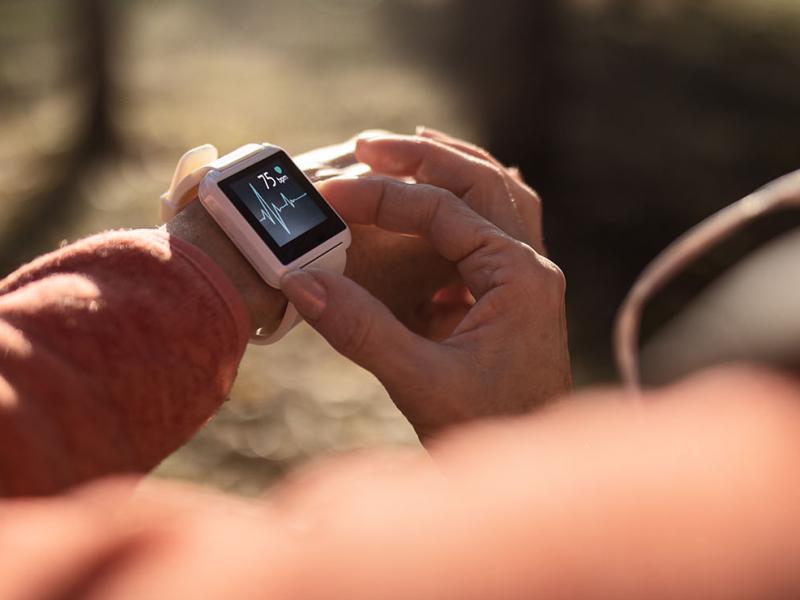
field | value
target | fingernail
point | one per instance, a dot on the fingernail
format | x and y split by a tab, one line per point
371	134
363	144
306	293
366	149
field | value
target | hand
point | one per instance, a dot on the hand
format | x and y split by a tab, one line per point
422	289
506	356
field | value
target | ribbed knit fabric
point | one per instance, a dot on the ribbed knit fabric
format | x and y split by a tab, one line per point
114	351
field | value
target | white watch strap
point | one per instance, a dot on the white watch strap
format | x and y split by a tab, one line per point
333	260
191	168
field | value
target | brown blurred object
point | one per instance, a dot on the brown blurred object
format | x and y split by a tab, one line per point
93	31
751	313
775	198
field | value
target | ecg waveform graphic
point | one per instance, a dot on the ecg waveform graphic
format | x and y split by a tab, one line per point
272	213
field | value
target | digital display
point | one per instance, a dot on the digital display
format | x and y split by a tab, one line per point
284	208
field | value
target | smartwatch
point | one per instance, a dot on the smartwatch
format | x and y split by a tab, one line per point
268	208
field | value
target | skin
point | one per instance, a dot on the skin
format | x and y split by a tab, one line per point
507	355
448	298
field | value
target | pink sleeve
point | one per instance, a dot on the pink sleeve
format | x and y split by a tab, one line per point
113	352
694	494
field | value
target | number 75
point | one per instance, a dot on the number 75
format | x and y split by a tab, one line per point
267	178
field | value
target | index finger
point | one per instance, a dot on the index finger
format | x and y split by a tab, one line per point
454	230
468	171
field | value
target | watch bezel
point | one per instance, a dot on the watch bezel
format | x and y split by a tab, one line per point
241	232
307	241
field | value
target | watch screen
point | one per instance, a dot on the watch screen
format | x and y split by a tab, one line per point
284	208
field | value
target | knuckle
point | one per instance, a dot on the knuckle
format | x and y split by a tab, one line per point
491	238
493	179
550	281
430	158
497	255
438	200
520	252
523	249
484	154
558	280
538	272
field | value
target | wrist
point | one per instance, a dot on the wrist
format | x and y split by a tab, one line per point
265	305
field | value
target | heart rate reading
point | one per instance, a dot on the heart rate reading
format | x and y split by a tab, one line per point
278	201
271	212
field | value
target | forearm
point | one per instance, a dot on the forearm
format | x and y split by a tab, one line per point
694	495
115	350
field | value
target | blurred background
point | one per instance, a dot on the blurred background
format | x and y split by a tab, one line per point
634	119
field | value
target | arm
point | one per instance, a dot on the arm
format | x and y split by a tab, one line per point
115	350
111	353
694	494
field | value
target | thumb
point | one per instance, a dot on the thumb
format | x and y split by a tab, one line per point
356	323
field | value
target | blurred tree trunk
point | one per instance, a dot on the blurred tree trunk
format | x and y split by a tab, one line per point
513	50
93	32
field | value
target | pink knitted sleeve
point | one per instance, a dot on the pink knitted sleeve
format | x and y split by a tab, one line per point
114	351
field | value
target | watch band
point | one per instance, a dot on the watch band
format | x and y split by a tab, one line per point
189	172
333	260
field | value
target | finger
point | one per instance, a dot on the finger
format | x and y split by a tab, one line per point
472	150
526	197
428	161
458	144
484	185
455	231
454	293
452	228
446	310
357	325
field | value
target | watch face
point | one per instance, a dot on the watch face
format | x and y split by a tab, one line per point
283	206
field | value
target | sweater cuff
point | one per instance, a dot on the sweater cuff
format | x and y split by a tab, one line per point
213	275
